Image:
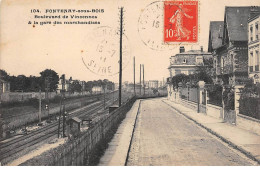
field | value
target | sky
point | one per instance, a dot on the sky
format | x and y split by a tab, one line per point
28	50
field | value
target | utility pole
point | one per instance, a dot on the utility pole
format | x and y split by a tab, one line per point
47	88
63	102
113	91
105	97
143	80
134	75
120	60
140	79
40	106
62	106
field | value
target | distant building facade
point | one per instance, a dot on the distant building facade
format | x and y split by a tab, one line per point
253	47
4	86
67	84
96	89
153	84
186	62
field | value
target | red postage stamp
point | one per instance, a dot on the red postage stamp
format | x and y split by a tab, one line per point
181	21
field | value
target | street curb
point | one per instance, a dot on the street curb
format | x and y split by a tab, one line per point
242	150
132	135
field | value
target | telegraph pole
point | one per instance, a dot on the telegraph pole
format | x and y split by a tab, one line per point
143	80
40	106
134	75
140	79
47	88
120	60
62	106
63	100
105	97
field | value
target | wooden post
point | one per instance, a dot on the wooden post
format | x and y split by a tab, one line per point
140	79
120	60
40	106
104	97
143	80
134	76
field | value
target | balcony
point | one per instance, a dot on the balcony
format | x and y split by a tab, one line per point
256	68
251	69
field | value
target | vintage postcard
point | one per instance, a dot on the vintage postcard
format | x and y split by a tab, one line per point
129	83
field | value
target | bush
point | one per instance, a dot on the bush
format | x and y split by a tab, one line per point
228	97
250	100
215	95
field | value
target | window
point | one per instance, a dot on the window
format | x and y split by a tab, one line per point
251	32
199	59
257	60
184	61
256	31
251	62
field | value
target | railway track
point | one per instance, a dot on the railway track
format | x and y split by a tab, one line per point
92	98
19	144
13	147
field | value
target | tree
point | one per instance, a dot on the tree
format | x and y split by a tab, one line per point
179	78
4	75
50	77
89	86
203	73
34	84
21	83
76	86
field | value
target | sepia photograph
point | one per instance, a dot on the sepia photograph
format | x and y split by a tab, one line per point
129	83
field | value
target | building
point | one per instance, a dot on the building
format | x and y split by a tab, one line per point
253	47
232	55
153	84
215	41
4	86
83	85
96	89
67	84
186	62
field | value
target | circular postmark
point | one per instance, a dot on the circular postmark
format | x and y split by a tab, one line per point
101	55
151	27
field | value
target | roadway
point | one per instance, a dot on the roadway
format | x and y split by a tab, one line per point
162	136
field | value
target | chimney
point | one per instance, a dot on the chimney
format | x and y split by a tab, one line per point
182	49
201	48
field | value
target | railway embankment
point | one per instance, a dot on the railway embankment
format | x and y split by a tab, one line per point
22	116
88	146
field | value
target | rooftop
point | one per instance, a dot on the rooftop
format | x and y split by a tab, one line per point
236	21
216	34
194	52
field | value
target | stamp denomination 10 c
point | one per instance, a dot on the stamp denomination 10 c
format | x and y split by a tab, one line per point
181	21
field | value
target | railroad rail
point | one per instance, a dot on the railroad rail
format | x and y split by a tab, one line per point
10	149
